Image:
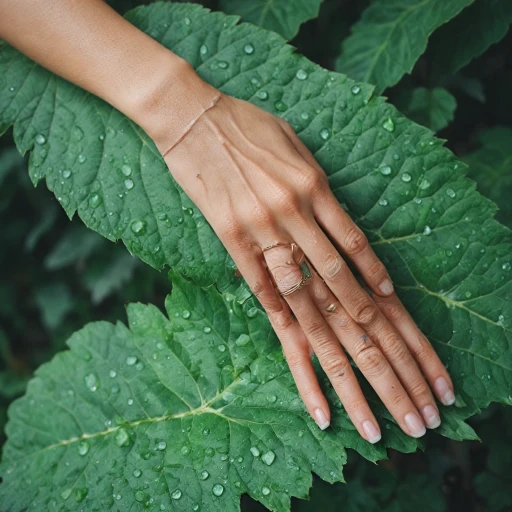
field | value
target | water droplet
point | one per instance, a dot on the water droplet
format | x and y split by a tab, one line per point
385	170
506	266
122	437
126	170
424	184
131	360
468	295
203	50
129	184
265	491
252	312
501	319
427	230
176	495
186	314
262	95
242	340
255	451
83	448
304	115
207	330
138	227
222	348
325	133
81	158
162	445
240	459
268	457
206	431
66	174
302	74
187	21
249	49
66	494
396	156
137	473
112	373
40	139
356	89
383	202
218	490
140	496
195	508
95	200
450	193
388	125
204	475
92	382
209	451
130	401
271	398
139	366
280	106
406	177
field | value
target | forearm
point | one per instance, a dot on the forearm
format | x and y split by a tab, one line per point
89	44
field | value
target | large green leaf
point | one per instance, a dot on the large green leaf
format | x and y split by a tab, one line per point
468	36
491	167
433	108
282	16
390	37
192	410
449	259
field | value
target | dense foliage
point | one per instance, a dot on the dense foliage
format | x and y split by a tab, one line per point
198	408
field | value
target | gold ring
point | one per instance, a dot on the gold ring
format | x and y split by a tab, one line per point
331	307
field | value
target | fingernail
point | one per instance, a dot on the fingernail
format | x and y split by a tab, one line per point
386	287
431	416
321	419
443	391
415	425
372	432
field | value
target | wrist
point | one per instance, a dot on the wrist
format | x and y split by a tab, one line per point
173	98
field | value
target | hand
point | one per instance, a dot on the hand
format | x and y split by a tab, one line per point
258	186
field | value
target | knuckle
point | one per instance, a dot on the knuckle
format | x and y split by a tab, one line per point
313	181
418	389
396	350
261	217
371	361
393	312
365	313
286	276
376	269
335	366
398	398
422	350
355	241
231	231
333	268
316	329
282	320
295	360
286	202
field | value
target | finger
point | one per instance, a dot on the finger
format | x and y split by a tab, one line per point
365	312
369	359
432	367
332	358
295	344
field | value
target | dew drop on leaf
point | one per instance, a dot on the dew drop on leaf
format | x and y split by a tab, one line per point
280	106
271	398
66	174
81	159
450	193
162	445
66	494
130	401
427	230
268	457
176	495
204	475
207	330
112	373
424	184
223	64
222	348
249	49
218	490
389	125
406	177
506	266
186	314
209	451
262	95
92	381
265	491
385	170
128	184
255	452
40	139
131	360
140	496
137	473
95	200
325	134
206	431
301	74
252	312
138	227
356	89
83	448
122	438
203	50
242	340
80	494
383	202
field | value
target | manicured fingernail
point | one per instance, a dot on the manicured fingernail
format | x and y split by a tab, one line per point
371	431
431	416
321	419
443	391
386	287
415	425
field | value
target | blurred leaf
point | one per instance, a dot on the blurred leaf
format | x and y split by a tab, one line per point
491	167
77	244
55	302
282	16
391	36
468	35
45	223
107	278
472	87
433	108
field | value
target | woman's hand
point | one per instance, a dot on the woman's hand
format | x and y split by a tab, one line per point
269	202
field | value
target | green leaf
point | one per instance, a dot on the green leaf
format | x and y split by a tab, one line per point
469	35
391	36
449	259
196	408
282	16
491	167
433	108
55	302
